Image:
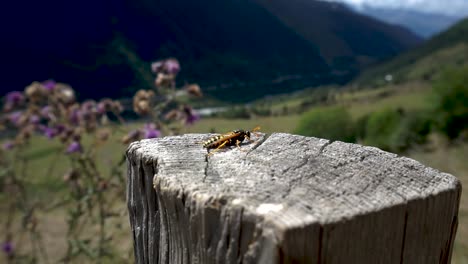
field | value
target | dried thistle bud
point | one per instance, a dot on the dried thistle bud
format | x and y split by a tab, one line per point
194	90
73	113
77	132
23	119
71	175
164	80
142	107
66	134
90	127
89	106
103	134
173	115
131	136
63	93
32	223
103	185
144	95
142	102
117	107
105	105
25	133
35	92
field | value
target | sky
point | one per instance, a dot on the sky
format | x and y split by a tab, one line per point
448	7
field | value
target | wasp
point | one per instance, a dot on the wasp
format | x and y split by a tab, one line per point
235	137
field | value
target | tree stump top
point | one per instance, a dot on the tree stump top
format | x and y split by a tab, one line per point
334	199
293	179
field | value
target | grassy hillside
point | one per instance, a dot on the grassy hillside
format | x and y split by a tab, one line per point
449	48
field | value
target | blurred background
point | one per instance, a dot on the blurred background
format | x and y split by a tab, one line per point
81	80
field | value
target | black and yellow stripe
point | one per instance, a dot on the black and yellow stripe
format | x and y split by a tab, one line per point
215	141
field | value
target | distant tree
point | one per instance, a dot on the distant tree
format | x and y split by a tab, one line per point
381	127
396	130
413	130
360	127
451	101
330	123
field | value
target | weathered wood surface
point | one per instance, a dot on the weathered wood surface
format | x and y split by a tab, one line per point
286	199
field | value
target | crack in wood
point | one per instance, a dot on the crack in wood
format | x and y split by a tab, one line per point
405	226
259	142
322	148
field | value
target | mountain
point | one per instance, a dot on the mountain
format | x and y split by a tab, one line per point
447	49
236	49
344	38
422	23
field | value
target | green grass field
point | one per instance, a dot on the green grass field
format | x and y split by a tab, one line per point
268	124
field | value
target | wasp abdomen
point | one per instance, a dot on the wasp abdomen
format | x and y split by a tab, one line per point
213	142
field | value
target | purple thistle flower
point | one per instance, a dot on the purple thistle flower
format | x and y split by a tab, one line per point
8	248
150	131
12	100
101	108
34	119
86	115
192	119
49	85
14	97
46	111
172	66
157	66
88	106
60	128
8	145
74	117
49	132
15	117
190	115
74	147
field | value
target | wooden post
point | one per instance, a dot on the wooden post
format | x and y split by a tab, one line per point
286	199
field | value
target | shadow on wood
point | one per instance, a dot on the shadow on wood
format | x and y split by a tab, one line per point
286	199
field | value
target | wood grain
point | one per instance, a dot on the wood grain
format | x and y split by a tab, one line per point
286	199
